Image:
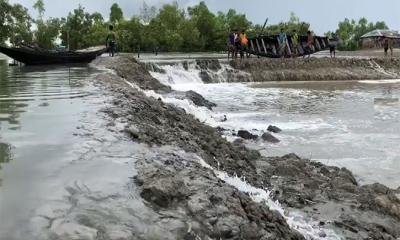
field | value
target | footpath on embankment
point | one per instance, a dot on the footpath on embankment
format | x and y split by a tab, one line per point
319	69
184	182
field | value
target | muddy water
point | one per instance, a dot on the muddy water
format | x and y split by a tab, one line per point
348	124
63	175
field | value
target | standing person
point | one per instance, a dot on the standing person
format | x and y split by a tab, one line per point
282	43
310	44
156	50
332	50
243	44
295	43
332	45
231	44
391	47
111	41
386	46
237	43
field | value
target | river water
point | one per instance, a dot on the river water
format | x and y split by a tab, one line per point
347	124
63	174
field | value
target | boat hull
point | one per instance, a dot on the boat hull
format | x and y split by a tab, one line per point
30	56
268	46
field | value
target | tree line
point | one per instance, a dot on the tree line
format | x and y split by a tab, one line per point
169	28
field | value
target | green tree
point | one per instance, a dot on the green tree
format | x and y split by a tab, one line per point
191	40
205	23
116	14
151	34
47	32
97	31
170	28
294	23
237	21
130	35
76	28
171	16
350	32
164	27
20	25
15	23
39	6
5	9
147	13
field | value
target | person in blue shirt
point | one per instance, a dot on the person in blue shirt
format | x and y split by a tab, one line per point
231	45
282	43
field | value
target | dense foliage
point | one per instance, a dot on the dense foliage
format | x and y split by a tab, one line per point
15	23
169	28
294	23
350	32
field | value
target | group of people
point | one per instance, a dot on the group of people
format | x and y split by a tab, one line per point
284	46
238	43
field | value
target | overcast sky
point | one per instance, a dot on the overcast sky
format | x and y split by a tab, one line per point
322	14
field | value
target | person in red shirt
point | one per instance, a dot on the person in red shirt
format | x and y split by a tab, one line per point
310	44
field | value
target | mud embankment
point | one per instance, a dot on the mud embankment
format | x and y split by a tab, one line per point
202	205
319	69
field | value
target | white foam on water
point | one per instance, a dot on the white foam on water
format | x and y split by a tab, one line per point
309	228
310	125
180	79
201	113
176	75
187	77
388	81
250	119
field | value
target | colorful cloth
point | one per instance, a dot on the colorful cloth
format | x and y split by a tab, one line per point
282	38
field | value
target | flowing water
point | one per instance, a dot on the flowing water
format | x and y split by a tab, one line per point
63	175
348	124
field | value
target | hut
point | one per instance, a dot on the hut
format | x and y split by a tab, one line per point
376	38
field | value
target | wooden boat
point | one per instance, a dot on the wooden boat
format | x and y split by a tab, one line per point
38	56
268	46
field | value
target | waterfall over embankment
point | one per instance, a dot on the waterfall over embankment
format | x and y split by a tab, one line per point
266	70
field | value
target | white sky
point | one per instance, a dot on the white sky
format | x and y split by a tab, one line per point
322	14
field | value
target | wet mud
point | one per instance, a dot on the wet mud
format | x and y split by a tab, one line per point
199	205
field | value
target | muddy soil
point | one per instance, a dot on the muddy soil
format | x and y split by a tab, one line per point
320	69
179	187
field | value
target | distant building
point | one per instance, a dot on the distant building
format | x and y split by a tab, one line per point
376	38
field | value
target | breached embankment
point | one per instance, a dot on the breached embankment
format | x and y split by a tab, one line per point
269	70
177	185
320	69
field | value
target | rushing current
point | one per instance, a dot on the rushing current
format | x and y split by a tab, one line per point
352	124
63	173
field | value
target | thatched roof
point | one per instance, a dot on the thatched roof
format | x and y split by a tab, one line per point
382	33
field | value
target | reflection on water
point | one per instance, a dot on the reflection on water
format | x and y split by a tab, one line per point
70	176
22	87
40	108
5	153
